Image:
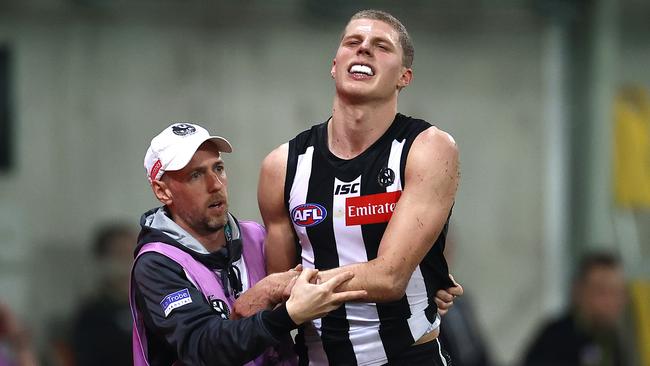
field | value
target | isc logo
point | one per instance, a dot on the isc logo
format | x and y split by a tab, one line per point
308	214
347	188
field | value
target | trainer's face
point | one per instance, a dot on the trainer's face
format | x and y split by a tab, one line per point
368	62
198	193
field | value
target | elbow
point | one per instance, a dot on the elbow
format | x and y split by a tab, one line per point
392	288
396	293
386	281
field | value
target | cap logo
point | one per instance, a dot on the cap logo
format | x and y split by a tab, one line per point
183	129
155	169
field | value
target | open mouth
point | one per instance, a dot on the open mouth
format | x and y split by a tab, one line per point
215	205
361	69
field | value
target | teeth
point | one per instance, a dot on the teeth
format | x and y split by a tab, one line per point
362	69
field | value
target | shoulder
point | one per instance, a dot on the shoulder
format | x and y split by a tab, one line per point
436	139
151	265
274	166
433	162
277	157
427	134
433	146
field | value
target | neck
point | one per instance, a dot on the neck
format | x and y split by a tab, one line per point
211	241
354	127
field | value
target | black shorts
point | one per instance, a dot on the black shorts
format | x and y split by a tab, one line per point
426	354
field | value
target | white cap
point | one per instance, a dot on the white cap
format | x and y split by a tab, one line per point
174	147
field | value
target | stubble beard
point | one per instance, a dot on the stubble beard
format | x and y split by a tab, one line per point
212	224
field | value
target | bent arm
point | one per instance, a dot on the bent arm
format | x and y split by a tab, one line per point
431	176
280	247
197	333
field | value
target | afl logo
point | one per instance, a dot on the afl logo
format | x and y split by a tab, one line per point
308	214
183	129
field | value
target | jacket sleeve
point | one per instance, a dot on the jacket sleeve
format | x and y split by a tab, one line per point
194	329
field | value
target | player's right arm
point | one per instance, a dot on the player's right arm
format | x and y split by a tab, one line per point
280	241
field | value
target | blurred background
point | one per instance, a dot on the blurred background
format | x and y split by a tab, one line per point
547	100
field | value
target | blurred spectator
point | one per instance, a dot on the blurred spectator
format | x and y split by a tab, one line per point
101	333
587	335
15	345
460	332
460	335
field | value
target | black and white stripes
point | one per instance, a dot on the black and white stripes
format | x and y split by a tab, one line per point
346	205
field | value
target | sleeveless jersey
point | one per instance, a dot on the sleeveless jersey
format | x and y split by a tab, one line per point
340	210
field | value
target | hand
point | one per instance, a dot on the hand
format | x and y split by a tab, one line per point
311	299
445	297
286	293
267	293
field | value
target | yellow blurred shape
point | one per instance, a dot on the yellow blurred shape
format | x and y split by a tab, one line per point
641	304
632	147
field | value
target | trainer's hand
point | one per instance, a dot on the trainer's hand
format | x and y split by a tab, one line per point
267	293
310	299
445	297
279	284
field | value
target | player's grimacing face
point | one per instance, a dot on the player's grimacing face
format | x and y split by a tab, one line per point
368	61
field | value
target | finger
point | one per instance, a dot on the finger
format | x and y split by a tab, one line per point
457	290
297	268
337	280
307	275
291	283
345	296
443	304
442	312
445	295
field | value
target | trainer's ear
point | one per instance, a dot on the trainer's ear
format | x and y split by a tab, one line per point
162	192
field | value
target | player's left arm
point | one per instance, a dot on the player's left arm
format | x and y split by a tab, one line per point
431	179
